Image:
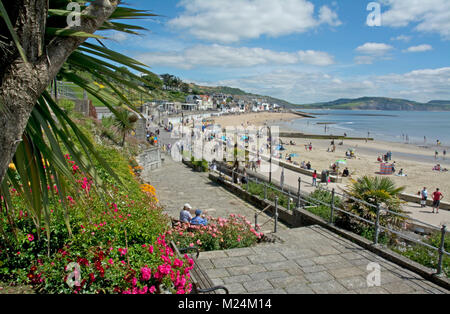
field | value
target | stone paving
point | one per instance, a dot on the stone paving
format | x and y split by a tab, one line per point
309	259
312	260
177	184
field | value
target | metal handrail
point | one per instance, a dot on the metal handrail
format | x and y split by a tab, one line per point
378	227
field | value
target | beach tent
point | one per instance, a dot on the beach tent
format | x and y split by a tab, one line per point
385	169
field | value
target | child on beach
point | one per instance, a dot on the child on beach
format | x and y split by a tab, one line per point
314	180
424	194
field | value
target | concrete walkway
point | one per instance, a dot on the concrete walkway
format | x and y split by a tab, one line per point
309	259
177	184
312	260
412	209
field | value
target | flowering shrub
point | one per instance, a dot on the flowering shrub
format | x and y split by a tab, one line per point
117	242
150	190
138	269
219	234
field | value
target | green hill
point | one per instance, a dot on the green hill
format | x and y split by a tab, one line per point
381	103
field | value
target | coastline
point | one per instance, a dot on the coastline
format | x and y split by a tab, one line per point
416	161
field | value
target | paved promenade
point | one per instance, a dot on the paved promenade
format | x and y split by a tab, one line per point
412	209
177	184
308	260
312	260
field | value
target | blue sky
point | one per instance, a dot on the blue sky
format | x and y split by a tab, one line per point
303	51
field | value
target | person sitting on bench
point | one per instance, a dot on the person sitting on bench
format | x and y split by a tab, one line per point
198	219
185	215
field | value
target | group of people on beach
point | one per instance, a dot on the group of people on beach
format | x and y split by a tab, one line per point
437	198
436	154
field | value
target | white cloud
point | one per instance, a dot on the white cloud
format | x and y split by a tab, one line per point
233	20
372	52
328	16
301	87
402	38
364	59
429	16
374	49
313	57
420	48
232	57
118	36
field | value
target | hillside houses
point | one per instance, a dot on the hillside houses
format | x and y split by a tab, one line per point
216	102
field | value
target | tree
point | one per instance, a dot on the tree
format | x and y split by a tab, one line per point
376	192
37	44
185	88
152	81
124	122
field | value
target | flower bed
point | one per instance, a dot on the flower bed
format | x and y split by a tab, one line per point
116	242
219	234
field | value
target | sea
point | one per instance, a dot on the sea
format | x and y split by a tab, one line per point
414	127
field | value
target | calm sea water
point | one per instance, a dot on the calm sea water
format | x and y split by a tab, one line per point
391	126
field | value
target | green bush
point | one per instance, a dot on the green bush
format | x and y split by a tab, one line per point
425	256
67	105
257	189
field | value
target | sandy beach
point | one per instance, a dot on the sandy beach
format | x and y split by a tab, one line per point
419	173
417	161
256	119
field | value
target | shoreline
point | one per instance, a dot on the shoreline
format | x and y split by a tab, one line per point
417	161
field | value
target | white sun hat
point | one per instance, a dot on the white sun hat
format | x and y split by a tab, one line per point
187	206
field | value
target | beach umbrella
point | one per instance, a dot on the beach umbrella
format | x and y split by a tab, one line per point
340	162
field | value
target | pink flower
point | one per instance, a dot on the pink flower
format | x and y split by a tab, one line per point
146	273
150	249
30	237
178	263
152	289
110	261
191	244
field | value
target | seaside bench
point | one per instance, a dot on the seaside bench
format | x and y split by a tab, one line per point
201	283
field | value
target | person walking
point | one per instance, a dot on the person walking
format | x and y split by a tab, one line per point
444	153
314	180
437	198
424	194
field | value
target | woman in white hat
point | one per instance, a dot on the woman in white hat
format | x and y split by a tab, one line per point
185	214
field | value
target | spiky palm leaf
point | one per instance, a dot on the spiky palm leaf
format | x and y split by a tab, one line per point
376	191
39	159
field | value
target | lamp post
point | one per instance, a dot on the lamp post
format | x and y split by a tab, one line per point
270	159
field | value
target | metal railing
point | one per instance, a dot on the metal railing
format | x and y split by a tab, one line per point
303	199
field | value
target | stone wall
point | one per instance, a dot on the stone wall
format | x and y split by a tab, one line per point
82	106
416	199
141	132
150	159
